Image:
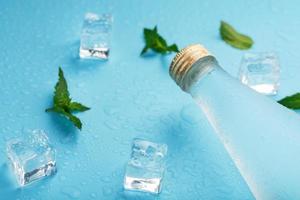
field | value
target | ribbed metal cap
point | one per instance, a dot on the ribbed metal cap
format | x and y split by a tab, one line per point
184	60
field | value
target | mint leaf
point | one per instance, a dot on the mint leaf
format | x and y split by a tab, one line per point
292	102
61	94
69	116
75	120
62	103
157	43
77	107
173	48
234	38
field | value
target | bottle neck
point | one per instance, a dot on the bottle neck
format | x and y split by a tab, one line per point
199	69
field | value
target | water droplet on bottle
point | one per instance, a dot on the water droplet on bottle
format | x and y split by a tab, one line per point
188	114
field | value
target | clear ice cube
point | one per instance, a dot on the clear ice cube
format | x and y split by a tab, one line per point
261	71
95	36
31	157
145	169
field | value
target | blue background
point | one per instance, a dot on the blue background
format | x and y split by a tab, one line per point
130	96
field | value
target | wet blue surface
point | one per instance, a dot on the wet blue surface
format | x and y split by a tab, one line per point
130	96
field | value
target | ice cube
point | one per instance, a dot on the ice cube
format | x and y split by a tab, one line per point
31	157
95	36
144	171
261	71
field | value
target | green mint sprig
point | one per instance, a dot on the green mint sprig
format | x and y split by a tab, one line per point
157	43
292	102
234	38
63	104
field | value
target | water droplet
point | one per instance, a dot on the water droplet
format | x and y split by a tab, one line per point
111	125
105	179
80	85
68	152
62	178
67	139
95	136
71	192
93	195
83	183
107	191
110	110
283	36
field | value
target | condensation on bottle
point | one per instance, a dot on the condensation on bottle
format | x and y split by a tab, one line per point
261	136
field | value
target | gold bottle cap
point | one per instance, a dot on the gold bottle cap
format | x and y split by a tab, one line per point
183	62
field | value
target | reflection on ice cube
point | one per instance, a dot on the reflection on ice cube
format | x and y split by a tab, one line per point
95	36
261	71
31	157
144	171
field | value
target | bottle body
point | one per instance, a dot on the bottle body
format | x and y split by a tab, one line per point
261	136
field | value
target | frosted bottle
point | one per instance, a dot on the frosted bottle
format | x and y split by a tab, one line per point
261	136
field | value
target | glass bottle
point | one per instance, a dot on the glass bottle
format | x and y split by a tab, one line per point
261	136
